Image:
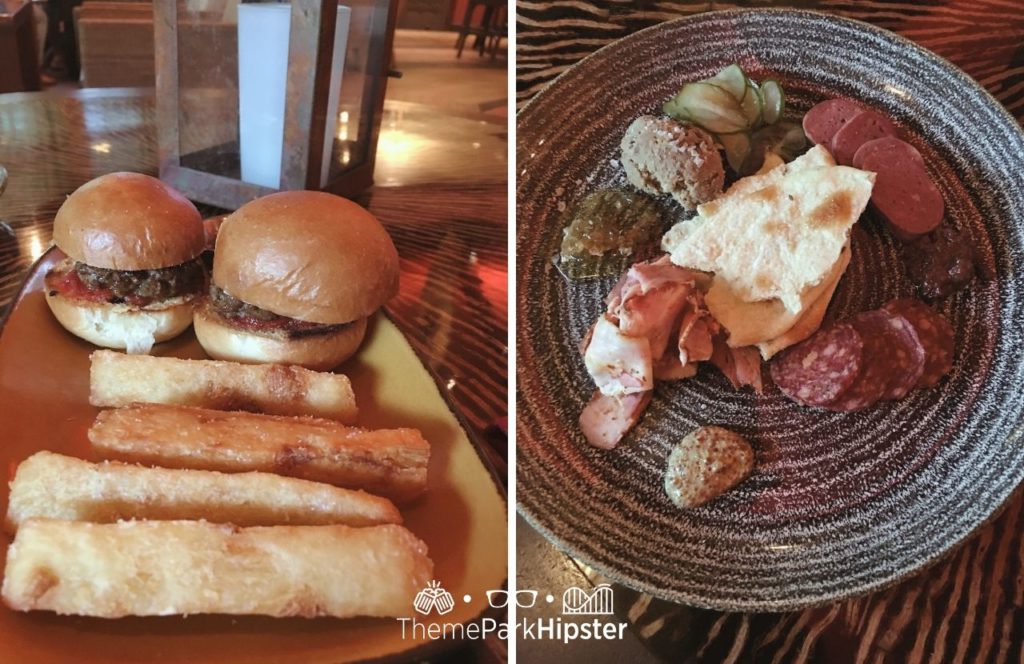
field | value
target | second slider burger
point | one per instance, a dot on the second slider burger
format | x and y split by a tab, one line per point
295	276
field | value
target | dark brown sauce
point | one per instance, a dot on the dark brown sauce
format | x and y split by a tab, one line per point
941	262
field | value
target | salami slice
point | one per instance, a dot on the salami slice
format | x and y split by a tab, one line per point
906	357
816	371
935	334
873	379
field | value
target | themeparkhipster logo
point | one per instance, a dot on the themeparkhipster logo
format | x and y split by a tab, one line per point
584	616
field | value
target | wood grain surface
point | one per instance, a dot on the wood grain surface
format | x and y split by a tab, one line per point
969	607
444	204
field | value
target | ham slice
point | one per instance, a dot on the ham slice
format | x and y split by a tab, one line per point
747	360
742	366
649	300
606	419
654	315
670	368
696	330
645	277
655	306
618	363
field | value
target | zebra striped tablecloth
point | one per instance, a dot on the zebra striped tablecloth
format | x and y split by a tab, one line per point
970	606
985	38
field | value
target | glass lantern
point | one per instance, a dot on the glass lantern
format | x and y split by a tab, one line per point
257	97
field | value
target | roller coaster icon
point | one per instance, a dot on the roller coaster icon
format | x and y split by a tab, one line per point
598	602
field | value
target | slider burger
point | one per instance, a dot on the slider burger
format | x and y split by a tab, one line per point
295	276
132	270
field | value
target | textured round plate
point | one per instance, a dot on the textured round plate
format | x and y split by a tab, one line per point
839	504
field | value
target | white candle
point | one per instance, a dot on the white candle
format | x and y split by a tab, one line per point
263	30
262	76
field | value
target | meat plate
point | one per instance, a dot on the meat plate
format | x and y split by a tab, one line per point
839	504
44	404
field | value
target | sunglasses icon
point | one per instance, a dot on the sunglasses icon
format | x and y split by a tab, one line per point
525	599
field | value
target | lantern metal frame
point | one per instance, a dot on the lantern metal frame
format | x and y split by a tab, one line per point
310	47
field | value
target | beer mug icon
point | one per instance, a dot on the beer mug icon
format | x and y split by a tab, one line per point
433	598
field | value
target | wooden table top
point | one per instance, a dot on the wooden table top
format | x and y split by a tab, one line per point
442	192
967	607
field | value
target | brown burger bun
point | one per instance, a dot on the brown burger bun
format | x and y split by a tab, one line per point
128	221
308	255
119	325
321	351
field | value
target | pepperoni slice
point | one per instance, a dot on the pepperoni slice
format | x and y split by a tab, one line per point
935	334
818	370
873	380
906	357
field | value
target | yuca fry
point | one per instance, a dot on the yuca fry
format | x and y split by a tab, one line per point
388	462
117	379
159	568
59	487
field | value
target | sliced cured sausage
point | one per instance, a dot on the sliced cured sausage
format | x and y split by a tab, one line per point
873	380
904	194
906	357
819	369
886	143
935	334
860	129
823	120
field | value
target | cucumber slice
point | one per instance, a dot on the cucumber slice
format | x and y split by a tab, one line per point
737	149
774	101
674	109
732	80
752	105
709	106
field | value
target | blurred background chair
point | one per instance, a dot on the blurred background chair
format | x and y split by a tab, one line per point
18	51
492	27
60	46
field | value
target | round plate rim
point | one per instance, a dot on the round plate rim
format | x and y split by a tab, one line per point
808	13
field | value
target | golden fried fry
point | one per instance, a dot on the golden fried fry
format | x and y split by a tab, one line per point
157	568
117	379
388	462
59	487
